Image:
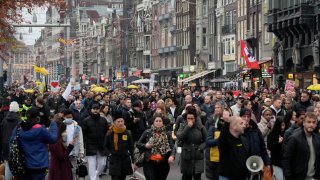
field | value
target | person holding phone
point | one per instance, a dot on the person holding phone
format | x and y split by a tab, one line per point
60	165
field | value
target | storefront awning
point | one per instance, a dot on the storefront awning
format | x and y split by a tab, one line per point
198	75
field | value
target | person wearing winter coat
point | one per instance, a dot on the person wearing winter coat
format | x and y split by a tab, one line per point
34	139
192	135
158	148
135	120
256	142
79	112
265	125
44	111
60	165
73	134
7	125
119	145
105	113
301	154
274	144
94	129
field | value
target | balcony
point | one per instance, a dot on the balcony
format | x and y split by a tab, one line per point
161	18
172	49
228	29
160	50
166	50
173	28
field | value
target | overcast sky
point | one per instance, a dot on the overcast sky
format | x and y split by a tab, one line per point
29	38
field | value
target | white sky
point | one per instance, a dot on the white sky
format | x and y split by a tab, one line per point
29	38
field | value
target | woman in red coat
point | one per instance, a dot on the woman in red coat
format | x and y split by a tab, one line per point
60	165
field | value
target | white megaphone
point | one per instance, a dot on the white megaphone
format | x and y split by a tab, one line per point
254	164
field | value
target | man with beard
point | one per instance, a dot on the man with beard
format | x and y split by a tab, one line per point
94	129
301	155
304	102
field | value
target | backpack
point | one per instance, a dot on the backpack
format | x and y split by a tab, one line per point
16	157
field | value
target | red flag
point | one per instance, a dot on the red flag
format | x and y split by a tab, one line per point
251	61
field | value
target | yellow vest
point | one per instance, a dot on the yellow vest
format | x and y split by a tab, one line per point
214	151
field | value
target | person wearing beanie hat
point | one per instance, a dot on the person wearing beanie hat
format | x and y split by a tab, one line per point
14	106
255	140
8	124
120	148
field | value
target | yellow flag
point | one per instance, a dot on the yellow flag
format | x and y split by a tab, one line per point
36	68
43	71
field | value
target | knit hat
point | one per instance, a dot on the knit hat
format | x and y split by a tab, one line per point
14	106
245	111
117	115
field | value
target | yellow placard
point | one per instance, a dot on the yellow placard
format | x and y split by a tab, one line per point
290	76
124	137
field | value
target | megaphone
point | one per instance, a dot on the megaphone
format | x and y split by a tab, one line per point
254	164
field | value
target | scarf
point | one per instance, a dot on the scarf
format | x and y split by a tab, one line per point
160	141
116	131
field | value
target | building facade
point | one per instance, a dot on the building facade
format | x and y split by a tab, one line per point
296	51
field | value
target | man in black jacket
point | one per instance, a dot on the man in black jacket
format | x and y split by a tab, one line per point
94	129
135	120
301	154
234	150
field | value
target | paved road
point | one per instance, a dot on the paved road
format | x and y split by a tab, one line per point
174	173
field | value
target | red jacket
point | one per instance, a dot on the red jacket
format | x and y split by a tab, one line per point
60	165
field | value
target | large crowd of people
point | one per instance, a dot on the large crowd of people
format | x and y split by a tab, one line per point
208	130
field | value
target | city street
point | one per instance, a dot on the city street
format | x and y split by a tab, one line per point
174	173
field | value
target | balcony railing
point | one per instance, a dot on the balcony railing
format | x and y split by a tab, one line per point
229	29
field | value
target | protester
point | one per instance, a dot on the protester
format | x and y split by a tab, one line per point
233	149
274	144
159	150
300	157
79	112
34	139
7	125
193	137
119	146
94	129
59	159
75	135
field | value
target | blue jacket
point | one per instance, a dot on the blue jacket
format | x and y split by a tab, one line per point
34	143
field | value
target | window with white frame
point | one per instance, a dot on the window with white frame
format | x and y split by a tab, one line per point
229	45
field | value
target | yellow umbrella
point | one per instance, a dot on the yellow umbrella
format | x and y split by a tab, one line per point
29	91
311	87
316	87
99	89
133	87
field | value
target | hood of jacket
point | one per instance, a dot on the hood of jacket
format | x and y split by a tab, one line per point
263	120
73	106
13	117
31	133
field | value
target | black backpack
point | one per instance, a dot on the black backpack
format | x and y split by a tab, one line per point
16	157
